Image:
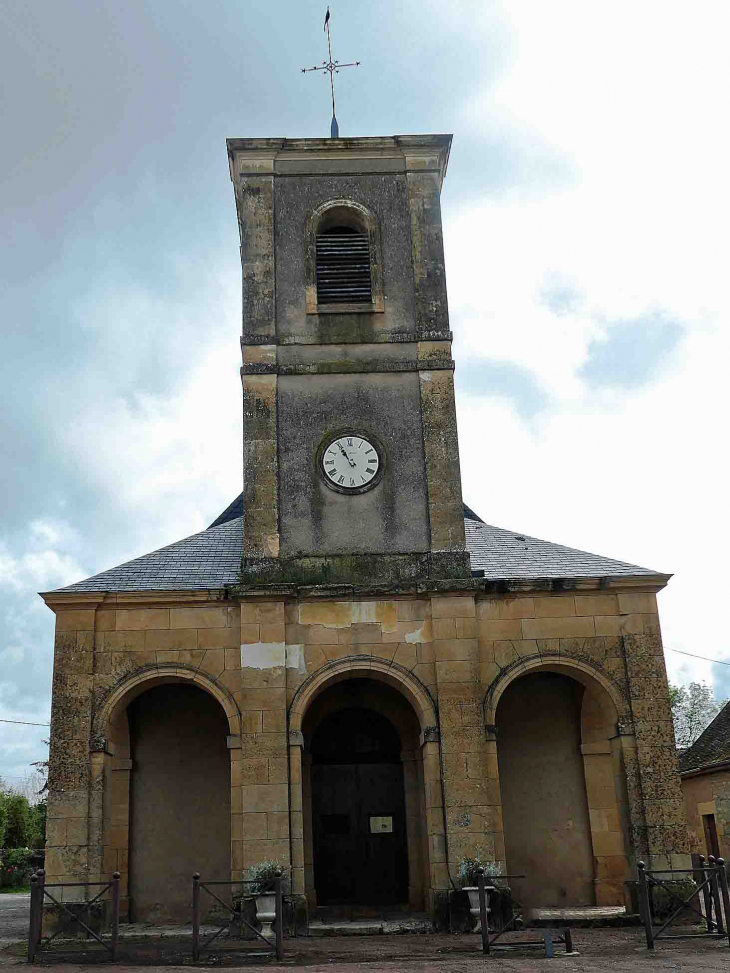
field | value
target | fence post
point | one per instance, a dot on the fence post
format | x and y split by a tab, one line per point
715	889
279	909
32	939
645	906
115	914
722	875
483	910
706	893
196	916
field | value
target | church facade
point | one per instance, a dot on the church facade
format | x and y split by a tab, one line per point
349	672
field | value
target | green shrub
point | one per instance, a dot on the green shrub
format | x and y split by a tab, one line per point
15	867
468	867
262	875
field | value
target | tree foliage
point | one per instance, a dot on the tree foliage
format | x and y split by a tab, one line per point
694	707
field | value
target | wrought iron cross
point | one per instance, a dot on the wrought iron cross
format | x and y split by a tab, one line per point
332	68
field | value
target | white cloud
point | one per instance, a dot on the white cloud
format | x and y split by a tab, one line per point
631	97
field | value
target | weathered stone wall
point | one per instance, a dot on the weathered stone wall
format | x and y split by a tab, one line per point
708	793
265	658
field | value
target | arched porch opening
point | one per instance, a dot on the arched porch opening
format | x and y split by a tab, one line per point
365	834
563	786
167	789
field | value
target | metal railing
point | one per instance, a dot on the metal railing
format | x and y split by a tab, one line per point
713	887
38	895
549	939
275	946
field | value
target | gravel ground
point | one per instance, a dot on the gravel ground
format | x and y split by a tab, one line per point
14	914
600	951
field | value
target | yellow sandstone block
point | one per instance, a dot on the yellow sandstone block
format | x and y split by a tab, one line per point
333	614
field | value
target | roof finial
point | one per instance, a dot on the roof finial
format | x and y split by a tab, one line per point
332	67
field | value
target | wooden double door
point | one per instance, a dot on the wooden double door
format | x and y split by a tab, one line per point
359	830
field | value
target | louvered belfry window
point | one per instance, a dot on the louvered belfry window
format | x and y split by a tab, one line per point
343	266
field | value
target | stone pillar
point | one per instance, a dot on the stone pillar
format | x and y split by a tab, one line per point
469	769
414	827
70	772
263	774
658	821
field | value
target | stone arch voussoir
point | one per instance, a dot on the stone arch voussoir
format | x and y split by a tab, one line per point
365	667
578	669
138	681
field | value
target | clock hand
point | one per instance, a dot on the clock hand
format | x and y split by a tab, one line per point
342	450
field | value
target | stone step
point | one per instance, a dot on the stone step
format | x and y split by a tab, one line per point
582	917
370	927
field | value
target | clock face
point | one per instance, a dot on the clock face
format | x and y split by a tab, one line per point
350	463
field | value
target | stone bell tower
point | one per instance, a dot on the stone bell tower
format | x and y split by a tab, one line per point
351	459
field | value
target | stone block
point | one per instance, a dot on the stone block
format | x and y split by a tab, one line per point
596	604
426	672
481	765
425	652
412	610
466	739
75	620
555	606
274	721
406	655
219	638
170	640
124	641
198	617
332	614
314	658
455	650
488	672
412	632
608	624
504	628
607	843
263	745
471	791
252	722
264	797
263	698
558	627
639	602
466	628
444	628
250	770
128	619
453	606
272	632
250	633
278	771
214	662
458	672
278	825
255	678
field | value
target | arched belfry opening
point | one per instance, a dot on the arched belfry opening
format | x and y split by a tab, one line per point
364	811
563	788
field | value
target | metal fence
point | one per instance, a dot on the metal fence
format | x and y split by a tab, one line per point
274	945
490	940
712	887
76	915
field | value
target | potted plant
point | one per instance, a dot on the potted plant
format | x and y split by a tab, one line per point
261	886
467	876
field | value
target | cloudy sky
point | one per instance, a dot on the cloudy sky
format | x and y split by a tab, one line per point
586	221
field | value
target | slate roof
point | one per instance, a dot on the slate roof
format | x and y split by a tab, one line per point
505	554
711	747
211	559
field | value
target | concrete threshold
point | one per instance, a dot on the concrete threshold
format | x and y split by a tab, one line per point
369	927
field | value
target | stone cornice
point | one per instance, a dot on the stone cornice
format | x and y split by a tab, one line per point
476	585
65	600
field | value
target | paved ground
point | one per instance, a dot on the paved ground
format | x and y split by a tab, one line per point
14	913
601	951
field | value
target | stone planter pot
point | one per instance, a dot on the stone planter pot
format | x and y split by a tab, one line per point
473	892
266	913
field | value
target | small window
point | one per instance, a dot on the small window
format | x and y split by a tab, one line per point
343	266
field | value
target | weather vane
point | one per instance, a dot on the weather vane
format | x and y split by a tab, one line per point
332	68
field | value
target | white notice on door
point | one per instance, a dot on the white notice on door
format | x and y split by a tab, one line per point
381	825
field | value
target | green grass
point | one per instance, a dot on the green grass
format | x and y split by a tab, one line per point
15	888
